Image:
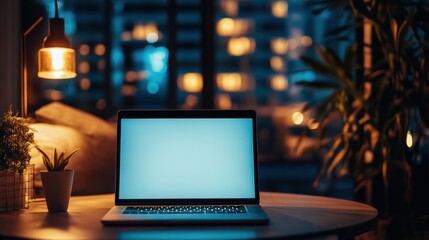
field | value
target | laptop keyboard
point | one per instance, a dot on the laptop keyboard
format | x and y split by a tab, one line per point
185	210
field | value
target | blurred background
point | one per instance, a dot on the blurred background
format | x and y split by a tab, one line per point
191	54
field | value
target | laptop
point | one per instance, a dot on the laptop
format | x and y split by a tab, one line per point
186	167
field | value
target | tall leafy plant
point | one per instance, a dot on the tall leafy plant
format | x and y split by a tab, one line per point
378	104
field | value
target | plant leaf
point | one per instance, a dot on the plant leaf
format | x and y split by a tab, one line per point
71	154
344	29
317	66
47	163
55	158
63	165
46	159
42	152
59	162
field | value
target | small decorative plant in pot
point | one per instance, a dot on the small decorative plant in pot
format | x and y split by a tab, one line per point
16	140
57	181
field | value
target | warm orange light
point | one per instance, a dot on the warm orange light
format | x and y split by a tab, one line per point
139	32
241	46
99	49
148	32
367	49
131	76
225	27
368	157
230	82
306	41
279	82
191	101
141	75
234	82
229	7
277	63
297	118
84	49
191	82
224	101
84	67
101	64
56	63
279	9
409	140
54	95
126	35
313	124
279	45
128	90
228	27
84	84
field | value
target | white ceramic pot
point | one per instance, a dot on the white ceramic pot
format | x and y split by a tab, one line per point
57	187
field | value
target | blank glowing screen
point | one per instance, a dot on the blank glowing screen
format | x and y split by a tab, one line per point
186	158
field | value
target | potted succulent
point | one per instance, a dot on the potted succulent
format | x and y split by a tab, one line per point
57	181
382	105
16	140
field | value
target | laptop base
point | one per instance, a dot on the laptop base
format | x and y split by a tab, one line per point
255	215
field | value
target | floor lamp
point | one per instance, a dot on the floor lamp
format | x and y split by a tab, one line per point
56	60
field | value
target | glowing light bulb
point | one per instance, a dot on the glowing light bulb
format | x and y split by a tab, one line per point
409	139
56	63
297	118
57	60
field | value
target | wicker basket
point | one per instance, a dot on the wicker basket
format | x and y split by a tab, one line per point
16	191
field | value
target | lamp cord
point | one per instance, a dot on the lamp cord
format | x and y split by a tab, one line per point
56	9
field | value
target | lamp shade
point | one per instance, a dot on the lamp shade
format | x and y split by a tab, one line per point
57	63
56	58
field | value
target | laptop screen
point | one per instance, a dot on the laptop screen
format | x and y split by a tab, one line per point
169	157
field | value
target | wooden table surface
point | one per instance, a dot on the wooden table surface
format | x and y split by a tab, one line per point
291	215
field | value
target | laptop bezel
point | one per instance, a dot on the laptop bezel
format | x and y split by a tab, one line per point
124	114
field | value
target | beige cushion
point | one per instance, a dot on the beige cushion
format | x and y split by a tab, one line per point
66	129
61	114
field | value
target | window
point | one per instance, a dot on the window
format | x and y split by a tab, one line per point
123	49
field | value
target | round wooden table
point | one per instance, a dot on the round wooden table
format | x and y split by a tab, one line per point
291	216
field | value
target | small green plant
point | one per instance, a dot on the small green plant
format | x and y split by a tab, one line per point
16	140
59	162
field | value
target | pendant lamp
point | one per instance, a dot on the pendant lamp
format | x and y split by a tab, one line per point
56	58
